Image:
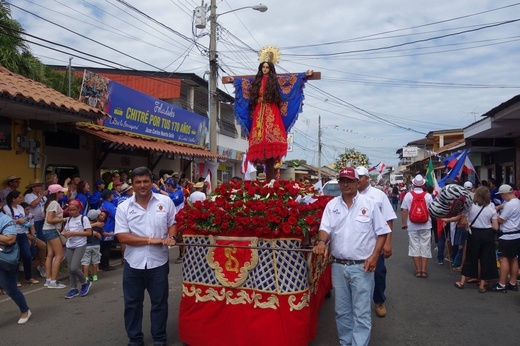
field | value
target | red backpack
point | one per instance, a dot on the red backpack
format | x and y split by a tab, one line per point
418	210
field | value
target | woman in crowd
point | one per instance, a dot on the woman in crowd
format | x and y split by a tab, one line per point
37	245
482	218
14	209
84	196
35	197
76	230
51	228
8	274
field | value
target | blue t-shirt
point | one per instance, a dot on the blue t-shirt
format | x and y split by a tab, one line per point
7	225
110	222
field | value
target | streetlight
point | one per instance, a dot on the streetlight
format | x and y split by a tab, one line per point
213	67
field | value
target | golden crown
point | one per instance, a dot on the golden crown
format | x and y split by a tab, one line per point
269	54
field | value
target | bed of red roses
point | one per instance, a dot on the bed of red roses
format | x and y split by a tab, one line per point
282	208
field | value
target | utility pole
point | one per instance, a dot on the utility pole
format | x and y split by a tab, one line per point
213	68
319	147
70	75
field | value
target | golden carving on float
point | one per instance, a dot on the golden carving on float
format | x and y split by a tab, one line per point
304	302
232	265
241	297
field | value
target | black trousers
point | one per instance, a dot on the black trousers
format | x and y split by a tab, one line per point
105	254
481	247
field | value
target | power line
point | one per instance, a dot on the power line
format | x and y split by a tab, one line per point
406	43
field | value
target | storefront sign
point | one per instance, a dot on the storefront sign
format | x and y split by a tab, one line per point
135	112
410	151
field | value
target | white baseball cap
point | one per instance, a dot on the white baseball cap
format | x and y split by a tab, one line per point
362	171
468	185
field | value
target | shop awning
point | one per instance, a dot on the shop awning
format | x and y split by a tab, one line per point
141	142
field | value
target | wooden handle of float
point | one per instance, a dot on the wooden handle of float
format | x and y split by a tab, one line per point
246	247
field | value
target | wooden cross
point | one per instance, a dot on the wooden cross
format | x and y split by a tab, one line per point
229	79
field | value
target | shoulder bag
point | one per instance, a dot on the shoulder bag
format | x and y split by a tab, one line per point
475	219
9	254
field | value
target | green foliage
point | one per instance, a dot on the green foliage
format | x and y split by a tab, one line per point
16	57
295	163
352	158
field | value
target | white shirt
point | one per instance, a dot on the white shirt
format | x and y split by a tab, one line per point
407	203
53	206
153	221
353	231
197	196
73	224
38	210
19	213
484	219
511	215
381	200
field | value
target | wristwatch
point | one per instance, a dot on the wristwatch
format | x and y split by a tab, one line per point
317	241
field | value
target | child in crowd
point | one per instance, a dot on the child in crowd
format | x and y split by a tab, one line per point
38	246
76	230
93	253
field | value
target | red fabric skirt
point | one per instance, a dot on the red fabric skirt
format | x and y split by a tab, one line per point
267	138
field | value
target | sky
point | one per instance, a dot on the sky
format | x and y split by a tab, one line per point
391	71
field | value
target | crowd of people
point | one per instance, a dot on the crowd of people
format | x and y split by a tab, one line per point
53	222
483	241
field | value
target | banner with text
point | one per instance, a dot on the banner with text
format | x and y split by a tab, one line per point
135	112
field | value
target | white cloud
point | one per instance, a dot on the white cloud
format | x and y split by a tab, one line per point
387	83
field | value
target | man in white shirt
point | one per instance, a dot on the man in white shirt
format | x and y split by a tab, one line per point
197	195
357	232
509	240
384	205
419	234
146	224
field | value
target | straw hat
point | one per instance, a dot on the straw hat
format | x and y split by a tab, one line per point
125	187
261	176
34	182
11	178
199	185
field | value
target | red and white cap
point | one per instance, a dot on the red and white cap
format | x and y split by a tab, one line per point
349	173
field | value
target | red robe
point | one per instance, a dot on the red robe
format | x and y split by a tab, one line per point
267	138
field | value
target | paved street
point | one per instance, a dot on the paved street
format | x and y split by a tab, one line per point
420	311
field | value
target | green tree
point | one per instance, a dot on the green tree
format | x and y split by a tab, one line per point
16	56
352	158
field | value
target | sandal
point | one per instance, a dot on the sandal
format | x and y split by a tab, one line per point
418	274
2	292
459	285
482	290
424	275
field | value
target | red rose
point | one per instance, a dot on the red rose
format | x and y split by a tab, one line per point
286	228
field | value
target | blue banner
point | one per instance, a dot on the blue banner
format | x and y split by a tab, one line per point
135	112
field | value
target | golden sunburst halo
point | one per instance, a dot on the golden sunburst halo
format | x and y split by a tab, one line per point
269	54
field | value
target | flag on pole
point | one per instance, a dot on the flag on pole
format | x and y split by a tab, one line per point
247	168
455	172
431	180
319	186
453	159
207	182
379	167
